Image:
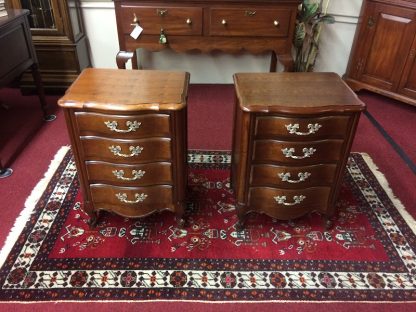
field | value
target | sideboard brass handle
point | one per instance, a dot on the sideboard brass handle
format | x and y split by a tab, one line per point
286	177
138	198
162	12
188	21
224	22
250	13
135	20
307	152
293	129
281	200
136	175
131	126
276	23
116	150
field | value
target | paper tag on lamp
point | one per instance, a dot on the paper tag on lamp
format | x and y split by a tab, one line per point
136	32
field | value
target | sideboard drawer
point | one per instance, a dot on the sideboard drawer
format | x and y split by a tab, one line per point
173	20
123	126
249	22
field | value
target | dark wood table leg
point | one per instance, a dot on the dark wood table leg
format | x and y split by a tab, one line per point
41	93
5	172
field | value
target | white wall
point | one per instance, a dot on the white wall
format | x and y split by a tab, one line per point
335	46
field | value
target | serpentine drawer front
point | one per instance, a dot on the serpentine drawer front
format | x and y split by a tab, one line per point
128	136
290	148
230	26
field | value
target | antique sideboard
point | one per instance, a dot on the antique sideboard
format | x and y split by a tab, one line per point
229	26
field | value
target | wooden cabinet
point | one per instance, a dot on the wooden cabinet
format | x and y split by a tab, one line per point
128	135
290	147
59	40
228	25
383	54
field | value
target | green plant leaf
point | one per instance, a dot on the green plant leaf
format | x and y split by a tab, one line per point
327	19
300	33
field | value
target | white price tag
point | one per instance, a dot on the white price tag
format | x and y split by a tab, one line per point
136	32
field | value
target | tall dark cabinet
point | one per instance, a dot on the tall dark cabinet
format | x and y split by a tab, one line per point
383	57
60	42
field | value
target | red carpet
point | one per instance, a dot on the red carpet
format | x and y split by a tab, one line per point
369	255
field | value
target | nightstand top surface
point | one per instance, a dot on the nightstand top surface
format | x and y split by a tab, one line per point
127	90
295	93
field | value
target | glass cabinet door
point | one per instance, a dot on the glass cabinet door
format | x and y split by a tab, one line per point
45	15
41	13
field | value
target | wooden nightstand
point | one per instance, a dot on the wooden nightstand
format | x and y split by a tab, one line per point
292	137
128	135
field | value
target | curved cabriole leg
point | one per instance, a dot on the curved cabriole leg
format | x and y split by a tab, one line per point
180	211
92	222
241	213
328	223
123	57
287	62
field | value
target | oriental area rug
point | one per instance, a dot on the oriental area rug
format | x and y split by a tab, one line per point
368	255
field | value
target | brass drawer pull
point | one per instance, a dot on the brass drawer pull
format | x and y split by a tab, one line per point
276	23
188	21
286	177
307	152
136	175
162	12
293	129
250	13
138	198
135	150
131	126
224	22
281	200
135	20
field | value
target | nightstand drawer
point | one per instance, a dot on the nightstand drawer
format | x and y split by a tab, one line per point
292	177
123	126
126	151
138	175
173	20
288	204
249	22
302	128
132	201
301	153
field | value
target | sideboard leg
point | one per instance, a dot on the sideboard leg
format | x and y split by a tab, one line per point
287	61
273	62
123	57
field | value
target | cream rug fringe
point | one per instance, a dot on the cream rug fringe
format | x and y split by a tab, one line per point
30	204
385	185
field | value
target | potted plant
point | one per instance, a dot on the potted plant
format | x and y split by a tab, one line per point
311	15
